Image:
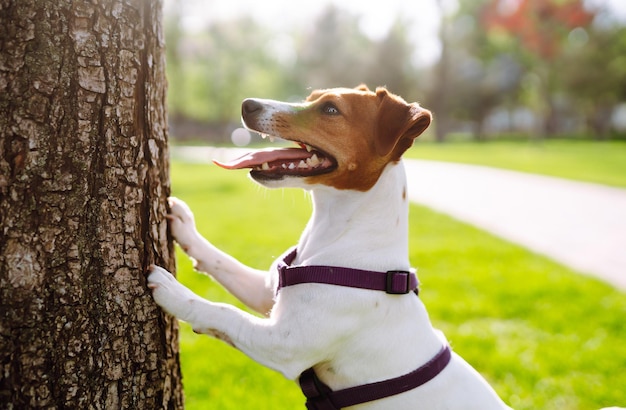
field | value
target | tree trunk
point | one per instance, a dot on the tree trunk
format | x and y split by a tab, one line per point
83	187
439	104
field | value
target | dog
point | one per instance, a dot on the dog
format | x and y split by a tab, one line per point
342	341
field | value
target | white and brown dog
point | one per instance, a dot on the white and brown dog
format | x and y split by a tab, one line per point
339	312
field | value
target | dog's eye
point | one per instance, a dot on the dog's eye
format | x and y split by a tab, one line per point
330	109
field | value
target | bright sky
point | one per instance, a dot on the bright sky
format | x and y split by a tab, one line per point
375	16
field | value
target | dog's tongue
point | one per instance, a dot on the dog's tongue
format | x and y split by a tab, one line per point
257	158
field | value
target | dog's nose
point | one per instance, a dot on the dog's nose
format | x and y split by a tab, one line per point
250	106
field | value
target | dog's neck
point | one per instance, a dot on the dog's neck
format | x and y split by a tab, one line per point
375	220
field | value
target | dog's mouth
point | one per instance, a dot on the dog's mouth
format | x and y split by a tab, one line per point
276	163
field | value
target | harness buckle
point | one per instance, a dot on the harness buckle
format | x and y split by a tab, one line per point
398	282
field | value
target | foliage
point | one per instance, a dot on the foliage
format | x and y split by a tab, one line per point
475	74
534	61
326	58
544	336
541	67
541	26
211	72
596	84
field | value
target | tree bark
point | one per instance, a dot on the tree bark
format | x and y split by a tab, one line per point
84	178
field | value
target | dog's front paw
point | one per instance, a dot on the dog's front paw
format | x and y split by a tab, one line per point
170	294
182	224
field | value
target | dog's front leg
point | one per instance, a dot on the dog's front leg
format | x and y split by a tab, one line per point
285	346
171	295
245	283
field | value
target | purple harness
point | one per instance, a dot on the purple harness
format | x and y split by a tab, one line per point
394	282
319	395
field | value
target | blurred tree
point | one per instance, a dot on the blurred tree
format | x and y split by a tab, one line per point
497	57
214	70
335	53
540	31
541	26
390	63
439	96
596	75
480	76
175	36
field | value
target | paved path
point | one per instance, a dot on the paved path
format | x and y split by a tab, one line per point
581	225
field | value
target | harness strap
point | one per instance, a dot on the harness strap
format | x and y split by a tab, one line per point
395	282
321	397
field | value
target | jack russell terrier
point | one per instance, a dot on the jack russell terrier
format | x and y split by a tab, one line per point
341	313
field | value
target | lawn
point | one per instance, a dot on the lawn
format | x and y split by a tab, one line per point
544	336
599	162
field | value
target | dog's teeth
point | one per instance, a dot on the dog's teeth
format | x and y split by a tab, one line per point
302	164
265	166
315	161
263	135
292	165
285	166
308	147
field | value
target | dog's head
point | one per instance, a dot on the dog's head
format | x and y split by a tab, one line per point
345	137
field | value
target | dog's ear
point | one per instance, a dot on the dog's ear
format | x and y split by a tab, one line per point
315	94
361	87
398	124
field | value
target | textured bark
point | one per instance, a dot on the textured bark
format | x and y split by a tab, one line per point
83	180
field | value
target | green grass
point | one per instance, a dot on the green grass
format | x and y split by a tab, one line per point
545	337
599	162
